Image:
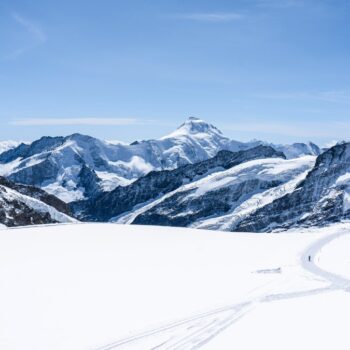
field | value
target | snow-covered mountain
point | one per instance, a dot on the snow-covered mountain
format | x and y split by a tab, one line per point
322	198
222	199
105	206
78	166
266	194
26	205
194	177
296	150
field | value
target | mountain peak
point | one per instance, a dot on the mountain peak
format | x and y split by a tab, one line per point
79	137
194	125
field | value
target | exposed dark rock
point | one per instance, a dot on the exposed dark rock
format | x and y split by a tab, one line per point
318	200
37	193
89	181
178	210
44	144
36	174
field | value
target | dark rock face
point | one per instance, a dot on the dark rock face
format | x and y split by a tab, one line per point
105	206
16	210
37	193
317	150
36	174
89	181
16	213
47	169
318	200
179	210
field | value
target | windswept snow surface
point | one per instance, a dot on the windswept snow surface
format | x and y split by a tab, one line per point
107	286
335	256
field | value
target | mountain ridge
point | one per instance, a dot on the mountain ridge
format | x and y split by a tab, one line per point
55	164
107	205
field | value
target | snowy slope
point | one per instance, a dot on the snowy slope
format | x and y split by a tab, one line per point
17	209
103	286
229	222
296	150
222	199
55	163
322	198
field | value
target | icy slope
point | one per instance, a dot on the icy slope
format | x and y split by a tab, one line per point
296	150
18	208
103	286
230	221
249	185
323	197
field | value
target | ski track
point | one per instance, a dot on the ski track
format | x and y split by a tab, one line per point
194	332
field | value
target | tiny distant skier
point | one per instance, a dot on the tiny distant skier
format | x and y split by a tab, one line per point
309	258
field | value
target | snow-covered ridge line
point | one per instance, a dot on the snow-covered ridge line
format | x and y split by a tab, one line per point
229	221
57	161
9	144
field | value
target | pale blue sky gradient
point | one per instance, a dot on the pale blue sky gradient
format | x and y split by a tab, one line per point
276	70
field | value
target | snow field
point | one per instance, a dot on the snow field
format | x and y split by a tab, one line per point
82	286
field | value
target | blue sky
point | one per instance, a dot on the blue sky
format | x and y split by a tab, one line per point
276	70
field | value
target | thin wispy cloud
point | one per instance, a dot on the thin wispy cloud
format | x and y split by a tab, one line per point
31	27
78	121
36	34
330	144
280	3
335	96
210	17
300	129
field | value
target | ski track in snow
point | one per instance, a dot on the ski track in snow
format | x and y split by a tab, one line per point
194	332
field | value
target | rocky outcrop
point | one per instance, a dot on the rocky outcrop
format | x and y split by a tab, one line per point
25	205
39	194
88	181
320	199
221	200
